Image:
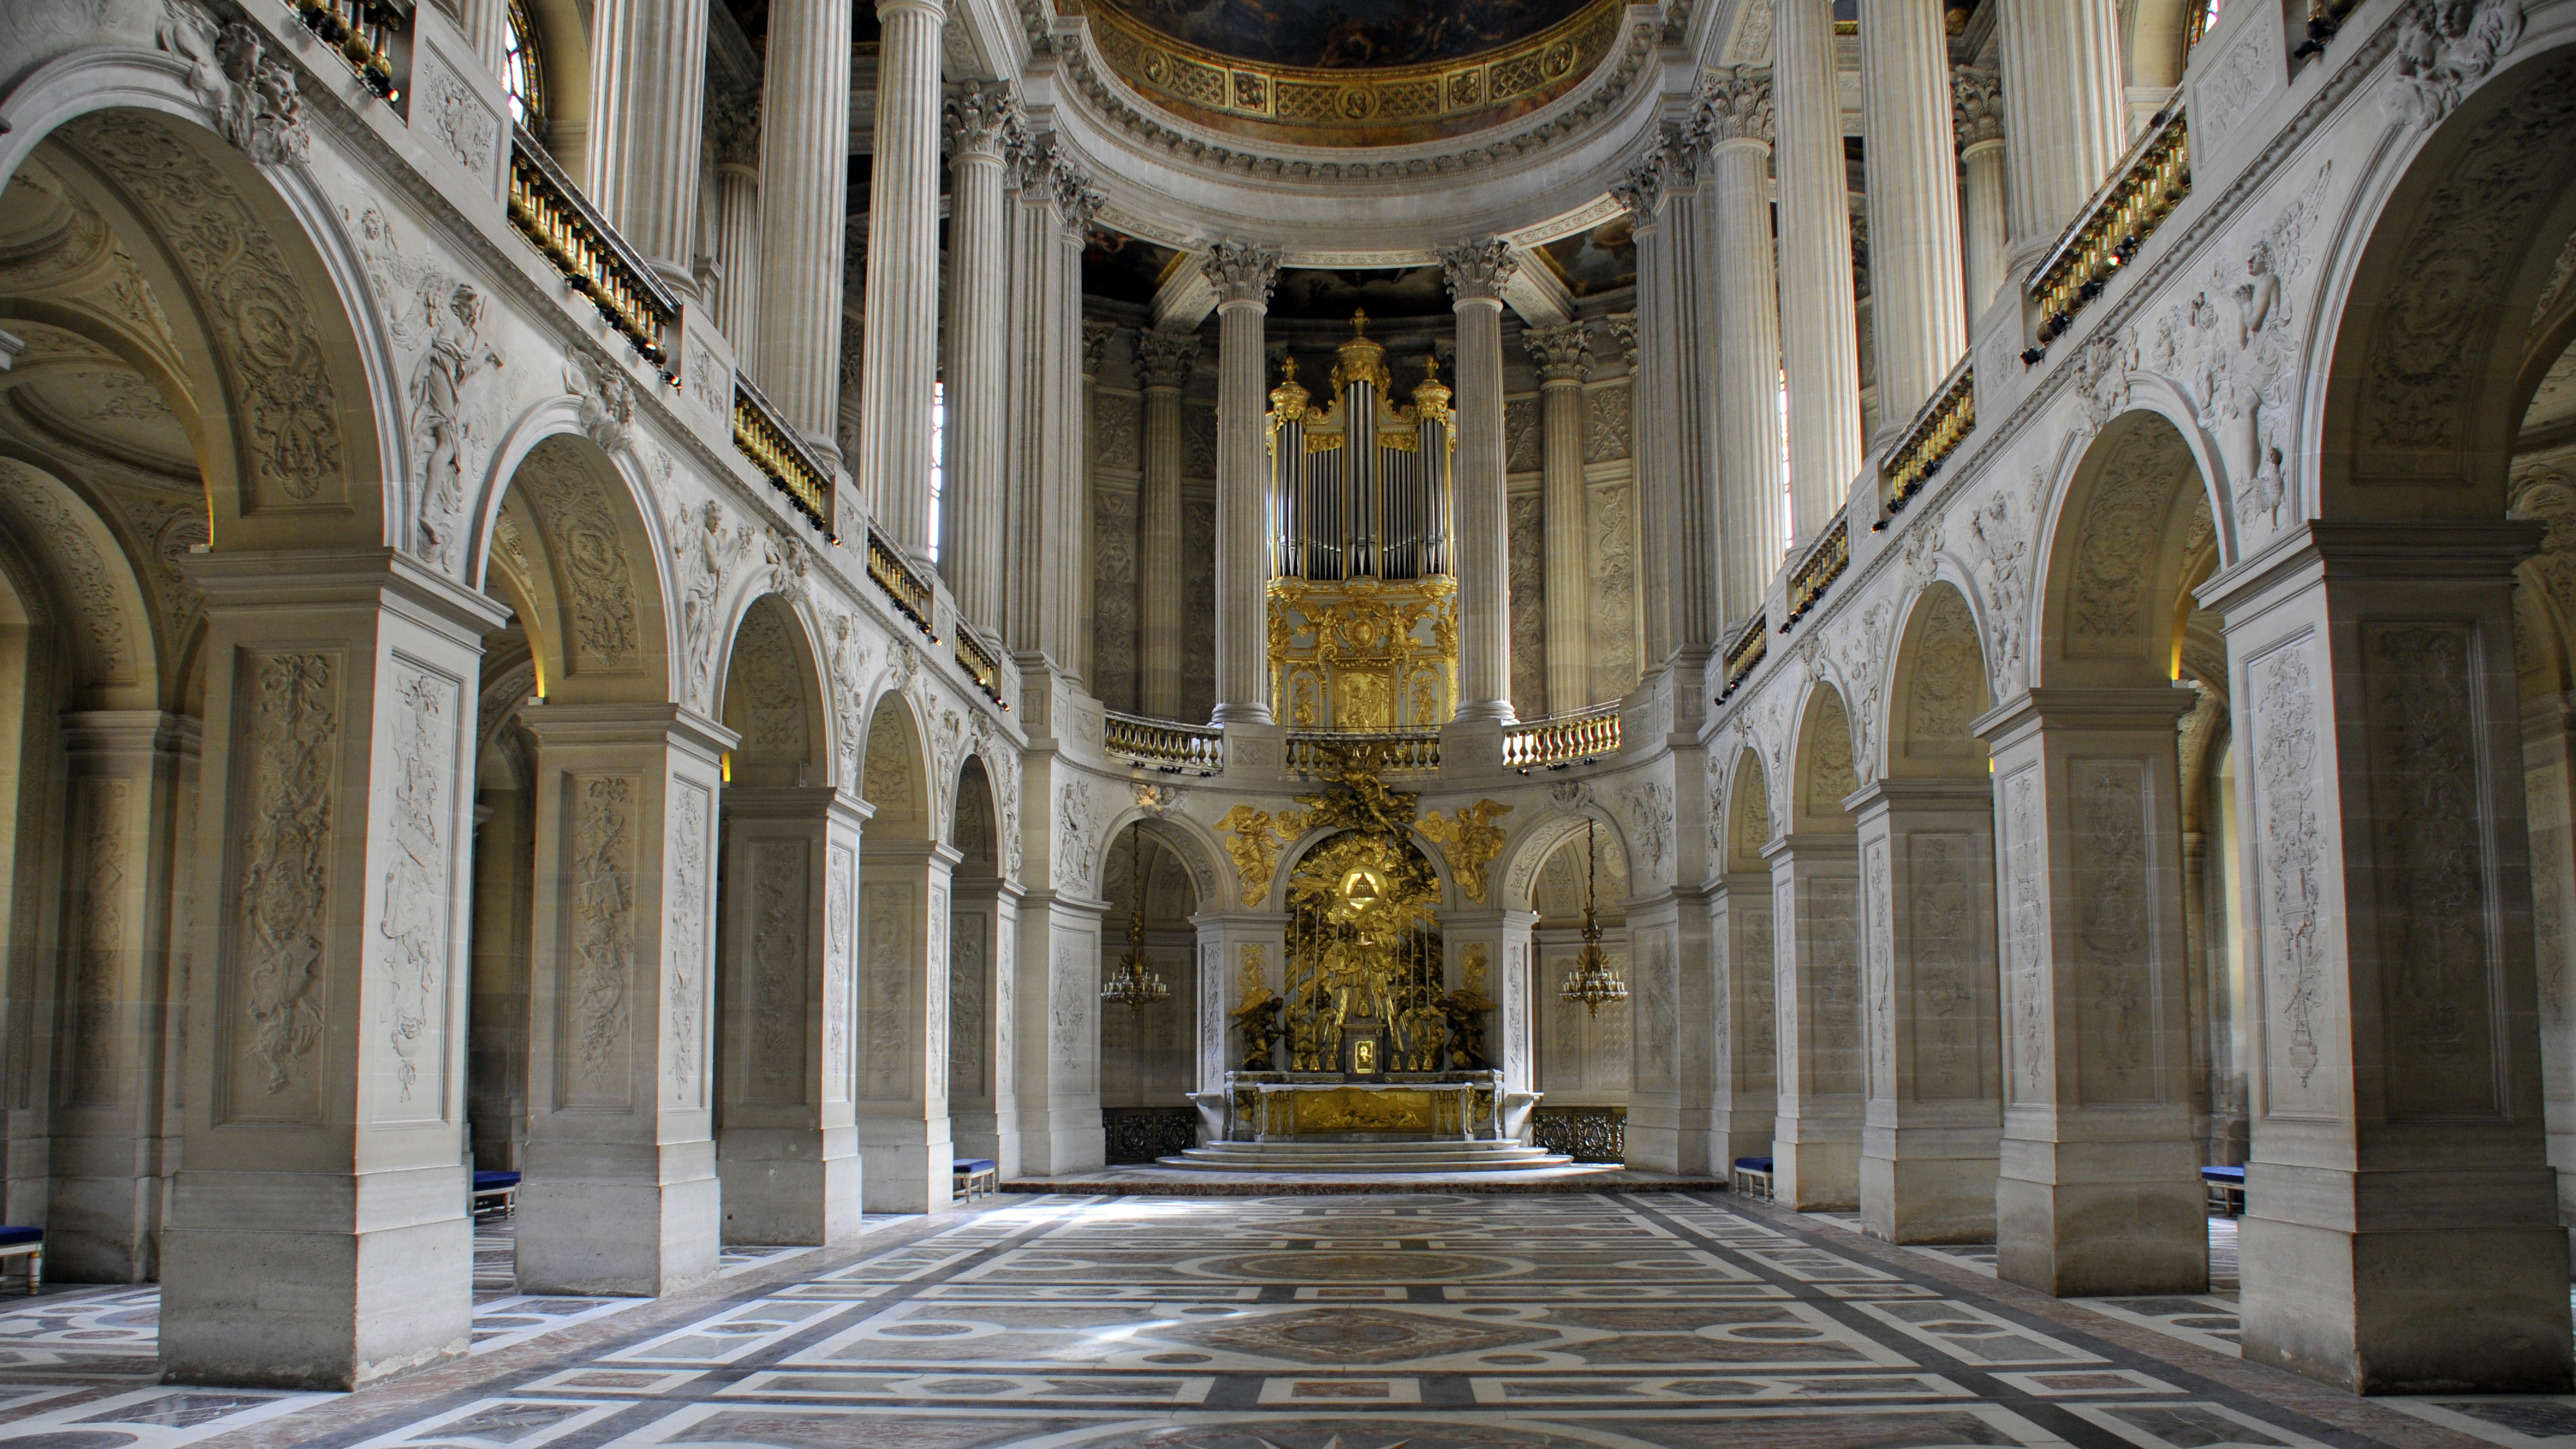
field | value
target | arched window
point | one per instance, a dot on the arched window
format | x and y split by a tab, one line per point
522	71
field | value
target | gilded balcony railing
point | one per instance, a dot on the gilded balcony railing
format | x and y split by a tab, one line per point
979	664
1745	652
364	32
1398	751
908	590
1817	571
1929	440
594	260
2325	18
2148	185
1561	740
1164	744
761	435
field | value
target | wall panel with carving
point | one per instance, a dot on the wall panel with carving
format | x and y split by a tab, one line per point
1617	623
1198	599
1113	589
1527	541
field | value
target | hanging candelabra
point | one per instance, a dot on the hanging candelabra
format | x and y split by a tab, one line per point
1132	982
1593	981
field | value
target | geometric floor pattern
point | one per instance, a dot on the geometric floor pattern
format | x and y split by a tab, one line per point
1652	1320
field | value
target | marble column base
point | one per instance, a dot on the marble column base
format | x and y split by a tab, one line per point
2101	1219
789	1186
613	1219
1928	1184
382	1287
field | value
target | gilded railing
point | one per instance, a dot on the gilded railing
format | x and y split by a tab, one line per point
911	595
1817	571
2146	188
1931	437
2325	18
1561	740
550	211
979	664
1745	652
761	435
363	32
1164	744
1398	750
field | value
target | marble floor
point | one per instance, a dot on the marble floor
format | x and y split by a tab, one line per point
1642	1320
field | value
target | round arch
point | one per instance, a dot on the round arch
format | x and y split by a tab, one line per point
2132	508
1528	853
771	695
1937	690
1821	771
571	543
895	774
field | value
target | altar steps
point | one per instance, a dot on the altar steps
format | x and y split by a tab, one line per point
1365	1157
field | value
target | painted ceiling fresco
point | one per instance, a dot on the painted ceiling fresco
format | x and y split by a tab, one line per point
1346	34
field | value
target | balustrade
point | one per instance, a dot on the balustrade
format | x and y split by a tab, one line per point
595	261
1562	740
979	664
908	590
2107	234
1397	751
761	435
367	33
1164	744
1744	653
1817	571
1935	433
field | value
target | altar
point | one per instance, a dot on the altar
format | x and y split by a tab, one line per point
1397	1107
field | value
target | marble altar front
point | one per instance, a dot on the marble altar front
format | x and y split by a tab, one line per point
1395	1107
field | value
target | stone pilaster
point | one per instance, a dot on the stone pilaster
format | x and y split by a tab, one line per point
1242	275
131	773
979	120
621	1195
1935	1070
1819	340
787	1155
983	1065
648	68
904	1140
733	135
1238	950
317	1235
1977	124
1163	362
1560	354
1743	1090
903	274
804	191
1735	113
2401	1225
1815	890
2099	1192
1918	304
2065	115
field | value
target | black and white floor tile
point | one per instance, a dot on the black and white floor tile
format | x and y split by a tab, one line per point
1648	1320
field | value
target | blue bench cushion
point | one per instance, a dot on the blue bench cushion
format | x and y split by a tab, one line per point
486	1181
974	1164
11	1237
2233	1176
1754	1164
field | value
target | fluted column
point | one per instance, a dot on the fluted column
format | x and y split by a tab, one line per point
903	274
486	24
970	544
1560	354
1242	275
2065	116
1977	124
1917	304
1476	274
733	135
1047	601
1163	360
804	170
1736	115
648	64
1818	339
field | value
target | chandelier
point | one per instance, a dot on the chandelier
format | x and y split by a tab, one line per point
1132	982
1592	981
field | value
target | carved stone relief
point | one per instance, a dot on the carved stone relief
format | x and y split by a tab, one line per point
2116	937
87	576
703	552
1942	938
777	985
2001	546
1528	610
1606	419
1614	591
886	1050
1830	776
289	789
2293	888
2108	608
1077	839
687	930
966	967
1879	969
1833	919
1113	592
1521	434
450	110
765	697
601	981
2027	1003
1650	815
1116	423
100	807
418	903
840	932
589	556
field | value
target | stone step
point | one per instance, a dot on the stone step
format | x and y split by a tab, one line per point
1365	1157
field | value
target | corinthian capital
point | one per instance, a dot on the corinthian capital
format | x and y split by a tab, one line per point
1559	352
979	120
1735	105
1976	105
1241	272
1640	190
1478	268
1163	358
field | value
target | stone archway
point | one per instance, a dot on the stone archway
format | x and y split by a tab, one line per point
1815	891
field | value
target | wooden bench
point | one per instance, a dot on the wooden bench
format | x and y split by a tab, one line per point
2225	1187
1753	1177
27	1243
494	1192
975	1175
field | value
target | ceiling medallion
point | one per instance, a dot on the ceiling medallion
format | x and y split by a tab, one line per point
1372	106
